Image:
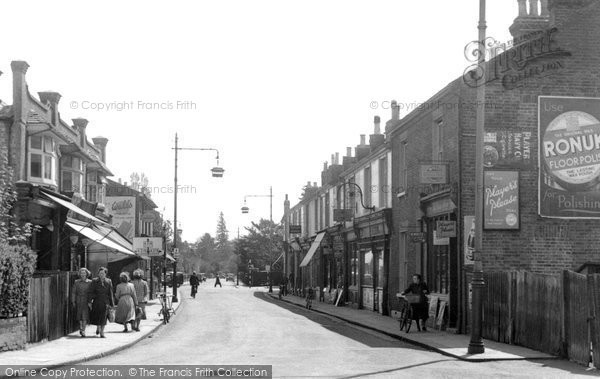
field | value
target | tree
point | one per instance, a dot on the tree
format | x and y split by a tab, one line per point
222	234
262	245
139	182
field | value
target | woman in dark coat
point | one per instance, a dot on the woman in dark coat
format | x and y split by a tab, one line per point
420	309
79	298
101	296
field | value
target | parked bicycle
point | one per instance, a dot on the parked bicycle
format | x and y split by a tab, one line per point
166	307
310	295
407	312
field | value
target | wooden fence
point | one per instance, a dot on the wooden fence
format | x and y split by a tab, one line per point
49	313
556	314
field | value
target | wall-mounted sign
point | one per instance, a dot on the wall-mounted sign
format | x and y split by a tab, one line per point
295	229
437	241
501	200
122	210
434	174
469	240
148	246
343	215
569	157
417	237
508	149
446	228
149	216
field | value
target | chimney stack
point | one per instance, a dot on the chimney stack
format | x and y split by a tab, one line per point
19	70
377	124
337	158
395	111
348	160
101	142
315	184
363	149
52	99
376	139
526	23
80	124
332	159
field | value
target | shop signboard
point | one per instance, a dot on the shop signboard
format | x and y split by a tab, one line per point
295	229
569	157
417	237
434	173
446	228
507	149
439	241
122	210
501	200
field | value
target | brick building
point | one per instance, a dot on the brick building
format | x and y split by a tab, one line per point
540	192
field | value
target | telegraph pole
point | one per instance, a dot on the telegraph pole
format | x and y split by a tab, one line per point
174	277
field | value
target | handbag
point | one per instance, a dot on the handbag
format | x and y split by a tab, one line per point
111	314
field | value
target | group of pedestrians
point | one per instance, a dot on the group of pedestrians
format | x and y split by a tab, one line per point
95	300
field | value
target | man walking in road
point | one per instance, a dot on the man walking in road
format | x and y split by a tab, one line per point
218	281
194	282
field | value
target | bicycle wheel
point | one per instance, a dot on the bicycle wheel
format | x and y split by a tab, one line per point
408	319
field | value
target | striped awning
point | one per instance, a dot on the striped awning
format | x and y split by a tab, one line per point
313	248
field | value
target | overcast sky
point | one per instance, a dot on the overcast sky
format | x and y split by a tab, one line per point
277	86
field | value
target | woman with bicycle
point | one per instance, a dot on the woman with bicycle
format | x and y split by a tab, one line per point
420	309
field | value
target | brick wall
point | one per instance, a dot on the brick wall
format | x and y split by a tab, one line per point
13	333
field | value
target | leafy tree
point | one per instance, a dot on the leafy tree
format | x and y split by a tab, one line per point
261	246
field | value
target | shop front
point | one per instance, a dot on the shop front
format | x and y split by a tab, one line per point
372	254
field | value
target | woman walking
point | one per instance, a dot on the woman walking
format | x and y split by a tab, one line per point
79	299
101	296
127	301
141	291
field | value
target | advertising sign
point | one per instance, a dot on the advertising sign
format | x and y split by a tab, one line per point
148	246
433	174
416	237
469	240
569	157
508	149
501	200
437	241
122	210
295	229
446	229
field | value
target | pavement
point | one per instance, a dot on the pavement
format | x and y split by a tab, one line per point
73	349
449	344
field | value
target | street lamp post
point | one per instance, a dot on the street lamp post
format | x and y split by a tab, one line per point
245	208
217	172
476	345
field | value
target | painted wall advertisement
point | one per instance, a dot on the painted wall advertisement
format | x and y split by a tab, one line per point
469	240
569	157
501	200
509	149
122	210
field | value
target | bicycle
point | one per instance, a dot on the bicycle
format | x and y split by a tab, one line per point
407	312
309	298
166	308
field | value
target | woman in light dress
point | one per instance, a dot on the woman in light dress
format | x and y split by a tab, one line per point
79	299
127	301
142	292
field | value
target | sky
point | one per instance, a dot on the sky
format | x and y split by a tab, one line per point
276	86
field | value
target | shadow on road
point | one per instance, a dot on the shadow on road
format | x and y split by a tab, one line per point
367	337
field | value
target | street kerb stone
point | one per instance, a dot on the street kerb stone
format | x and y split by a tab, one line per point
438	341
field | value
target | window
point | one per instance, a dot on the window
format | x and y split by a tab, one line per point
327	210
72	174
403	169
351	198
438	260
42	158
367	269
383	183
354	266
367	186
438	141
380	269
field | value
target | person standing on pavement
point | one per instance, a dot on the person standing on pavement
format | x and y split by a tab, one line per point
79	298
127	302
142	292
194	282
218	281
101	297
420	309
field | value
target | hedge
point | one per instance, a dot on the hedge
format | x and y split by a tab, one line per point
17	264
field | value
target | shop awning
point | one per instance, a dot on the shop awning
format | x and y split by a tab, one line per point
313	248
72	207
99	238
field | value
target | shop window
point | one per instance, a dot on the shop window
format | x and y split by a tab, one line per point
438	261
354	267
367	269
42	158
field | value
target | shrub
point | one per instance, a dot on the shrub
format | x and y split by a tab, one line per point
17	264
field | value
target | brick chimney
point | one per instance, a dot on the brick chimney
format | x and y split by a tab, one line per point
363	149
80	124
395	120
376	139
52	99
19	70
101	142
18	157
530	21
348	160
